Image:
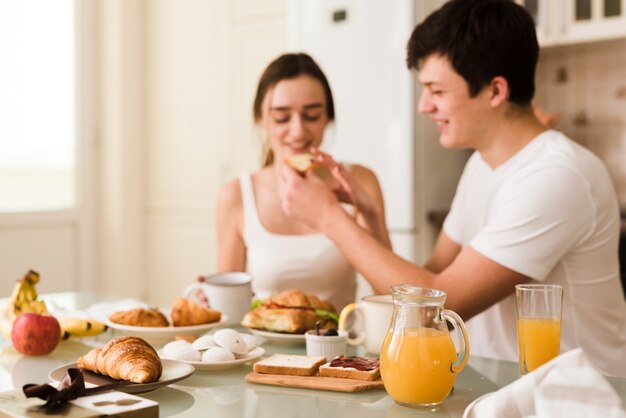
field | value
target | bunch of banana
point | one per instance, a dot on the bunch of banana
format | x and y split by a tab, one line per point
24	297
79	327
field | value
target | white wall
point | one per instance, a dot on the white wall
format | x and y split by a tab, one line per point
203	63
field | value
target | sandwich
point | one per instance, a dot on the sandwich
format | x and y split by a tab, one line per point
291	312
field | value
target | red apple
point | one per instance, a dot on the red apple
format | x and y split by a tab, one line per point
34	334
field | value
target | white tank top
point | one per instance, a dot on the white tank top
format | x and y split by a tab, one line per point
311	262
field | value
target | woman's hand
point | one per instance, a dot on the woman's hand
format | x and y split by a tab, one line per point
306	199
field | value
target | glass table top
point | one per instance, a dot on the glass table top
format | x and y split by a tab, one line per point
224	393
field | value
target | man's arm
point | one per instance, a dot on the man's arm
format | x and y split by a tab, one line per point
443	255
472	281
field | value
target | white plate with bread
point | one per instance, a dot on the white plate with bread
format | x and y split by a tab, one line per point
173	371
186	318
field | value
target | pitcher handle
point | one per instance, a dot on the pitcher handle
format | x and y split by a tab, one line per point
463	342
343	316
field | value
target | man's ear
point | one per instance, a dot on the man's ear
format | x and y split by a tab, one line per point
499	91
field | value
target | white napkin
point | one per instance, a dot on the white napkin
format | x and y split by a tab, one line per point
100	310
567	386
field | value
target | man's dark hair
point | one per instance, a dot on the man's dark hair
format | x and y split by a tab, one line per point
482	39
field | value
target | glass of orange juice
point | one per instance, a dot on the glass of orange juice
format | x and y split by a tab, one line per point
539	309
418	360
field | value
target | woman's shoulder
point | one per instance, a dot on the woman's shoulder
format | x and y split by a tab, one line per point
362	173
230	194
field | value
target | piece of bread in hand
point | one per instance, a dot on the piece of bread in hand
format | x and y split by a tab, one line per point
289	364
305	162
300	162
352	367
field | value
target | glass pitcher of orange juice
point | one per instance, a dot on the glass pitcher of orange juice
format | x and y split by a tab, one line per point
418	359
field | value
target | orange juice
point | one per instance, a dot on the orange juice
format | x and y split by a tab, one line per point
415	365
539	340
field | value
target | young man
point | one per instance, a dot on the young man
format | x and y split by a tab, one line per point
531	206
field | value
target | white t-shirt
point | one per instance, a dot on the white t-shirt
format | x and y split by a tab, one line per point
311	263
550	212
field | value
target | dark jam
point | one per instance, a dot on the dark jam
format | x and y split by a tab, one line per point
364	364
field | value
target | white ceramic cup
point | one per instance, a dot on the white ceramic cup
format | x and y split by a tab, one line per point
327	346
230	293
376	312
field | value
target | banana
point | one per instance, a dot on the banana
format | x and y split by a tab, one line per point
24	297
79	327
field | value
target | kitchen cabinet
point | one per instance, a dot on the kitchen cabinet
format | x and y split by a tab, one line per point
564	22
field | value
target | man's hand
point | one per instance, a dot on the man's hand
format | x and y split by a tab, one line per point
346	190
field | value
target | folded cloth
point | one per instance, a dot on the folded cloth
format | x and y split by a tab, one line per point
100	310
567	386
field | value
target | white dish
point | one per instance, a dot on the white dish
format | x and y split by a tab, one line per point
173	371
279	338
163	334
221	365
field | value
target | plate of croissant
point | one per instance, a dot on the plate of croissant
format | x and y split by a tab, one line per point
127	358
187	318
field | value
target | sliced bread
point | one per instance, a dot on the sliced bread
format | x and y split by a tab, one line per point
289	364
352	367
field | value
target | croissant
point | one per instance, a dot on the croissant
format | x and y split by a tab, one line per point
187	312
127	358
140	317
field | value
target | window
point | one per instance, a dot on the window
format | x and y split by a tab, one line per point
37	105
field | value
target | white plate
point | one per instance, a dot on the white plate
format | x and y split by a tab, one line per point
221	365
164	334
173	371
279	338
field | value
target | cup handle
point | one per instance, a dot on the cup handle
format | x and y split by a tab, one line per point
463	354
190	289
345	313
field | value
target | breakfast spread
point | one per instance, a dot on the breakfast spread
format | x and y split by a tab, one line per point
291	311
352	367
127	358
224	345
342	374
185	312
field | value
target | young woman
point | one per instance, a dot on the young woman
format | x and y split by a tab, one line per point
293	107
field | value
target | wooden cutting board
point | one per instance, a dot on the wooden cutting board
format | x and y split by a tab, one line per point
314	382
